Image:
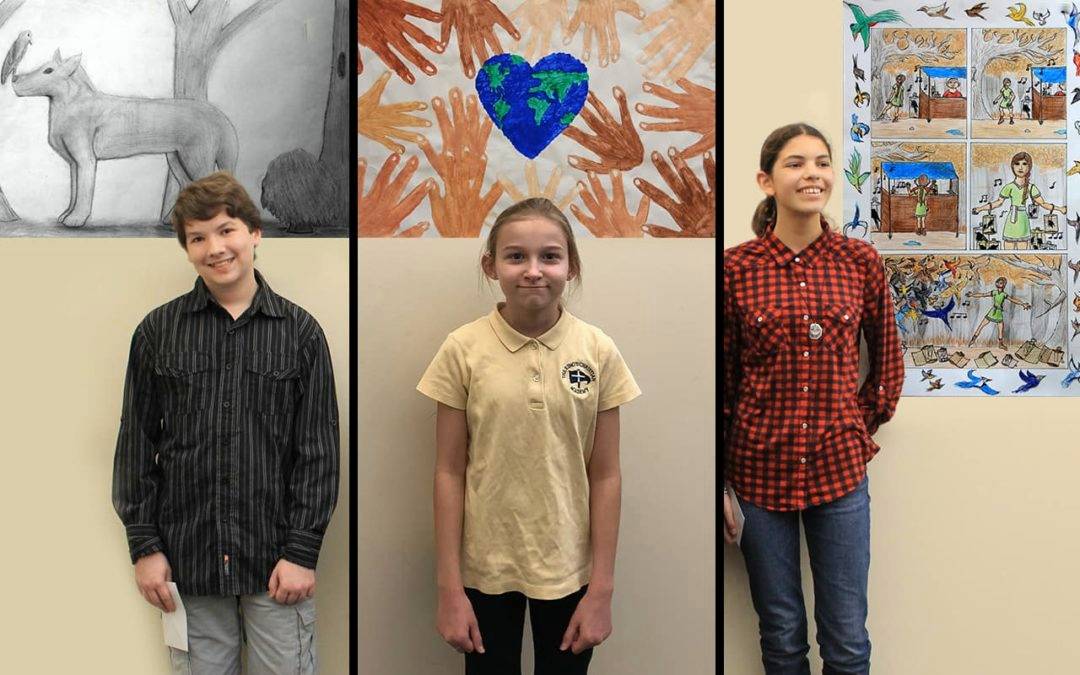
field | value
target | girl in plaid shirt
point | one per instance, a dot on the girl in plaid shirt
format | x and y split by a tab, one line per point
797	424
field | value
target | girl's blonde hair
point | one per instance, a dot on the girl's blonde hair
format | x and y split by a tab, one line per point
533	207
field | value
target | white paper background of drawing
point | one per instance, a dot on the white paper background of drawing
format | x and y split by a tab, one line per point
270	80
503	159
1004	380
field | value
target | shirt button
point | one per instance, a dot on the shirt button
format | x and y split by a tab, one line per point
228	366
881	388
533	345
802	284
804	425
226	404
806	354
797	259
536	378
805	317
760	319
806	388
845	317
802	460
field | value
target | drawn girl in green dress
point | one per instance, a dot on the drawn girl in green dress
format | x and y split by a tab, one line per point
919	192
1004	100
895	100
997	312
1017	230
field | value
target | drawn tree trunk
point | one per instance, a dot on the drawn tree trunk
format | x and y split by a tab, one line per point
926	51
305	192
7	8
986	50
201	33
1047	324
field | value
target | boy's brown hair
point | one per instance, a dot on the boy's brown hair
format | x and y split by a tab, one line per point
205	198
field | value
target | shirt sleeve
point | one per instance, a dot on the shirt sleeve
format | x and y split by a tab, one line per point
731	364
881	390
1035	192
136	475
617	384
446	379
313	484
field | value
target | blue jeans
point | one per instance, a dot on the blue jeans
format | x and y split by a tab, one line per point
838	540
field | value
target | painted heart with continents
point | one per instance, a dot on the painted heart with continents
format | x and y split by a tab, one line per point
532	105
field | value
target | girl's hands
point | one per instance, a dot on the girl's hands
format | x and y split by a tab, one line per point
456	622
591	623
731	531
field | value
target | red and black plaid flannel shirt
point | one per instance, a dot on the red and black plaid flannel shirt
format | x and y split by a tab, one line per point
797	426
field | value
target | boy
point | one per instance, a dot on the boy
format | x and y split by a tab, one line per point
226	468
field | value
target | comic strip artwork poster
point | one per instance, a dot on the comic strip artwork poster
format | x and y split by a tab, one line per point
959	164
468	106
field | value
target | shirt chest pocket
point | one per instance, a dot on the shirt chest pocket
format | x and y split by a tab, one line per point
187	379
271	382
840	328
766	332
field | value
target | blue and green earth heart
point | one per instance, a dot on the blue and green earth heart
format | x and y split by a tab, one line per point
532	105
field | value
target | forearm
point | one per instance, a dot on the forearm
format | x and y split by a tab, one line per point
449	511
605	497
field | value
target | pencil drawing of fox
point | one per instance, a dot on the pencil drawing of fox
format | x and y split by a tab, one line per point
86	125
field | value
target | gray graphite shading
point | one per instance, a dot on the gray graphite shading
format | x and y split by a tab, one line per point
306	193
86	125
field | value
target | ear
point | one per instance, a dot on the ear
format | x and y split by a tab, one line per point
765	182
487	263
69	65
56	57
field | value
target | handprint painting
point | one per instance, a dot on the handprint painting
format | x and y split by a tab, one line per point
607	107
110	113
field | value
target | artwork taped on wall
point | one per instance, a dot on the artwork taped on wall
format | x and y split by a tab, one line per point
607	108
960	161
109	111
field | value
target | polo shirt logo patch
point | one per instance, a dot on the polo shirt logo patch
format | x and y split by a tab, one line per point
578	376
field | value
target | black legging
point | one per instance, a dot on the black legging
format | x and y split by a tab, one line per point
502	623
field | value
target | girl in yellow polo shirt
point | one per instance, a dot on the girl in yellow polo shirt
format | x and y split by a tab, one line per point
527	482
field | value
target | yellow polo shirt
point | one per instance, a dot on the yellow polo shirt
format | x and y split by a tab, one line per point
531	406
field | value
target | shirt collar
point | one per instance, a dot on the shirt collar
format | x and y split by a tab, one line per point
265	300
514	340
809	255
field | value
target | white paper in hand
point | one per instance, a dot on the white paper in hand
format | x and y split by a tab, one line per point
175	622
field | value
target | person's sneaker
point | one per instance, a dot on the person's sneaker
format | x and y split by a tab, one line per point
1001	121
1010	122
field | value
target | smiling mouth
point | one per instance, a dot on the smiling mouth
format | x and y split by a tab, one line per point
220	264
813	191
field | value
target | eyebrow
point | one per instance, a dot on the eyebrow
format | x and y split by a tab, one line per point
822	156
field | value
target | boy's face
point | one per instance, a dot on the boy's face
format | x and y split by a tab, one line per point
222	250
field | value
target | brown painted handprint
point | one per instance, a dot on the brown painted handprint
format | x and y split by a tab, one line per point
538	17
379	213
382	25
459	210
475	21
532	187
690	32
695	110
610	217
617	143
381	123
598	17
693	209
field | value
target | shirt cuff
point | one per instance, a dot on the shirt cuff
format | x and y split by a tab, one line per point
143	540
302	548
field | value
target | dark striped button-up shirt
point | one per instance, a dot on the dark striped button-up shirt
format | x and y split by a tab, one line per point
228	453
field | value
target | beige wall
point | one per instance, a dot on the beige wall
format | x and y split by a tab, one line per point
656	299
975	506
70	307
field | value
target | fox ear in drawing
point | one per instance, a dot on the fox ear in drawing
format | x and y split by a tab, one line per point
56	57
68	65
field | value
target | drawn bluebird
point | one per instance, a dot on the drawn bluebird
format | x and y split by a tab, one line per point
976	382
942	313
15	55
1073	375
858	129
1030	381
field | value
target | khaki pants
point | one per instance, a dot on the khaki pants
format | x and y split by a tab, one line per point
274	639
